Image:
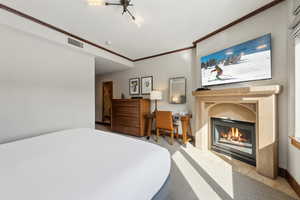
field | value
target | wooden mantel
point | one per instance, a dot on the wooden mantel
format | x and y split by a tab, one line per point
246	91
256	104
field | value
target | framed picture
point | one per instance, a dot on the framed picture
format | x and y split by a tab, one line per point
147	85
134	86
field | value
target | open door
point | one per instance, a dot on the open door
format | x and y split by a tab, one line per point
107	94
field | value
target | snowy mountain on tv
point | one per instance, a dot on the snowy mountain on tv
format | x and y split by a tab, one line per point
245	62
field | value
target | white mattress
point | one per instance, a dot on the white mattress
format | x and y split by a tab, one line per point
82	164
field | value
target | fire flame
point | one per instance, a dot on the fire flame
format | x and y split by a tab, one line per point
234	134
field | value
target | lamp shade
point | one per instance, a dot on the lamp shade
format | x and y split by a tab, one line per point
156	95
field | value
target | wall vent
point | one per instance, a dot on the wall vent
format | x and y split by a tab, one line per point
75	43
296	7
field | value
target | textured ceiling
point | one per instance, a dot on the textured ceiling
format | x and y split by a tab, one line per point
104	66
168	24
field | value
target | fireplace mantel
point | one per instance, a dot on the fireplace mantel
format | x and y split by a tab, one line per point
245	91
253	104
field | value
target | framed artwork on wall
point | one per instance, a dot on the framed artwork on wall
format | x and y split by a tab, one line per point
147	85
134	86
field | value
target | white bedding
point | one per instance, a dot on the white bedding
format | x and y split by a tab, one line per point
82	164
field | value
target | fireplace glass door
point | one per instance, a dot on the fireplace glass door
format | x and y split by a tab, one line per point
234	138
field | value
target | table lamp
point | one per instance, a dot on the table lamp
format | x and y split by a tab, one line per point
156	95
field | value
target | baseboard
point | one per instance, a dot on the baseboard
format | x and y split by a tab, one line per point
102	123
282	172
169	135
290	179
293	183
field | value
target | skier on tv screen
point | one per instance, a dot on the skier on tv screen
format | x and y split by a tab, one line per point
219	71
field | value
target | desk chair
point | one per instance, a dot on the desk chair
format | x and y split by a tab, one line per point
164	122
186	129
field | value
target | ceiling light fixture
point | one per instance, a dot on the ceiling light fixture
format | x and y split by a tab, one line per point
96	2
139	21
124	3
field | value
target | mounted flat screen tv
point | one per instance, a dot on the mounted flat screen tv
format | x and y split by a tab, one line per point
248	61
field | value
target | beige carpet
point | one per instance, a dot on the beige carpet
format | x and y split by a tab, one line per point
204	175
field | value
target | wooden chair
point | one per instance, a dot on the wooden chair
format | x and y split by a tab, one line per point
186	129
164	121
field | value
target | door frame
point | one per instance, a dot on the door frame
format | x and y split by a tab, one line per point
112	93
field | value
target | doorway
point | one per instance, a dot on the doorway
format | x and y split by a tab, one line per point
107	94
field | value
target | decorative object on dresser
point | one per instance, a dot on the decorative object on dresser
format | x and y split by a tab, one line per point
134	86
147	85
156	95
128	116
137	97
123	96
177	90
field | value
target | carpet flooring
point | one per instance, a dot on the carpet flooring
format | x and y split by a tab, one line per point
203	175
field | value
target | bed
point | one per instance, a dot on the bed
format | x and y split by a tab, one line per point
82	164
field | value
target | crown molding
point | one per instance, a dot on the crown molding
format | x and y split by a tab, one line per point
165	53
33	19
253	13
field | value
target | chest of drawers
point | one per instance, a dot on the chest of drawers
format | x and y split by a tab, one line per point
128	116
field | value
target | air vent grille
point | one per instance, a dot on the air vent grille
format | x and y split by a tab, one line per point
75	43
296	7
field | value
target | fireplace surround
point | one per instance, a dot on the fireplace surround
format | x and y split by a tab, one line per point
254	105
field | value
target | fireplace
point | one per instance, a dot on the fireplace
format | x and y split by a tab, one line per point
256	104
234	138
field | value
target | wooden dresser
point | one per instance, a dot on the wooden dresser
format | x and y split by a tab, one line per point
128	116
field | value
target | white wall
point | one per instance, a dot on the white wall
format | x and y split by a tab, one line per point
20	23
293	162
293	153
161	68
297	86
272	21
44	87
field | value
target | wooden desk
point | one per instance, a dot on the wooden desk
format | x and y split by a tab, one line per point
185	123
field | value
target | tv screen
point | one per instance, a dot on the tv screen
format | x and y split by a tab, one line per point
248	61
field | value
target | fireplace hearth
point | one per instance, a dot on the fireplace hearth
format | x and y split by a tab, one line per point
234	138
